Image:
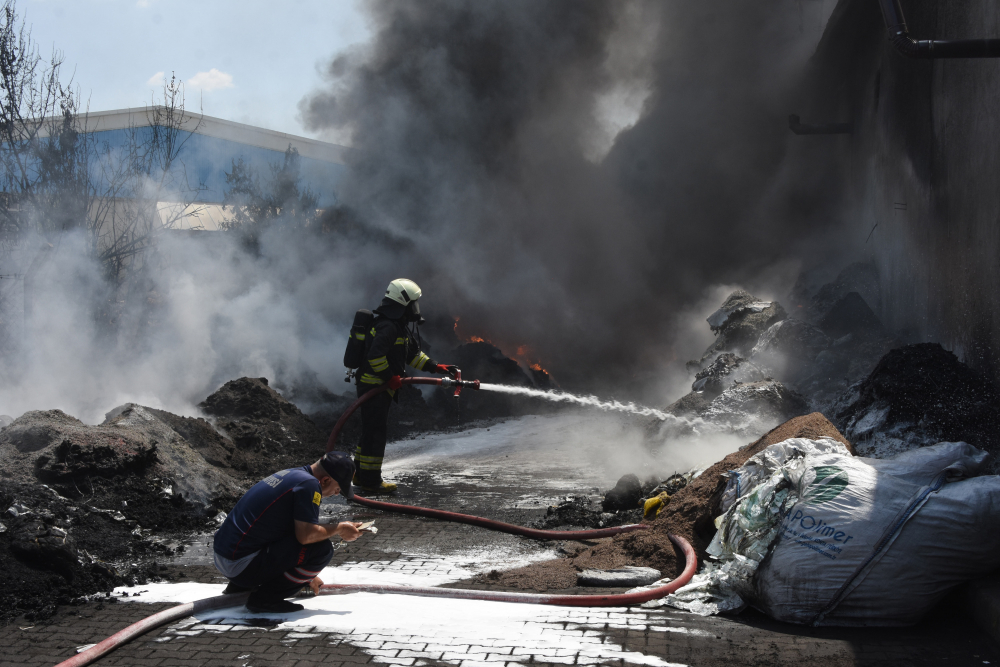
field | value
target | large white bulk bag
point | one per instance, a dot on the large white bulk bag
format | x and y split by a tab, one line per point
878	542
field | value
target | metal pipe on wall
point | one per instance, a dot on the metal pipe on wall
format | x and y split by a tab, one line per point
899	36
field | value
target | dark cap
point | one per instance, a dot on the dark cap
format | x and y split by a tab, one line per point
339	466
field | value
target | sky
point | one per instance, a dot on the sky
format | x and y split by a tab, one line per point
247	61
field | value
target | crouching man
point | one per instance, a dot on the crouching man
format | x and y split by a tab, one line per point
272	543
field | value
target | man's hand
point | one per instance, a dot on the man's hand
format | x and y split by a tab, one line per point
315	584
443	369
308	533
348	531
395	382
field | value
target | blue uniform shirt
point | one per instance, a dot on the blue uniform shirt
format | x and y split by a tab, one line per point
266	512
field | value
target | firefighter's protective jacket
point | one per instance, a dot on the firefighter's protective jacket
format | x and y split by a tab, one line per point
392	348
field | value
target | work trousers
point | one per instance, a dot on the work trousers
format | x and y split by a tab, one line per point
282	568
371	447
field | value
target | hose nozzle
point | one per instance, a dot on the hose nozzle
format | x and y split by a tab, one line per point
459	384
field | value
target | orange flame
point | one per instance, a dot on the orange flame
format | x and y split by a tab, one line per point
522	353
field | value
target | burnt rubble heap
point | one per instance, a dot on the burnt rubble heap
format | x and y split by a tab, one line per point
767	366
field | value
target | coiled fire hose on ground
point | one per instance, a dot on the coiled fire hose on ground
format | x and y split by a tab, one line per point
617	600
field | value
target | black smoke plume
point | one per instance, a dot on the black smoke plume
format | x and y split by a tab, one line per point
478	129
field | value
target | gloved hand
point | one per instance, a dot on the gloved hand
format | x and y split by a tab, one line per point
442	369
395	382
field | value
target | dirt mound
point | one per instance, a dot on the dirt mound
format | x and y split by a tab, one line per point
54	550
267	431
110	493
690	514
920	395
56	448
215	448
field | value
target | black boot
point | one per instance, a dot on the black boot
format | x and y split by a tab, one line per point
261	604
233	589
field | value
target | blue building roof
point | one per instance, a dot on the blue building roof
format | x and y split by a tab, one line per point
211	145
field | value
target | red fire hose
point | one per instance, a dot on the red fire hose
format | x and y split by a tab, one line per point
619	600
221	601
500	526
145	625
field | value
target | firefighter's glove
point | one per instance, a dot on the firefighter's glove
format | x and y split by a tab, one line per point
395	382
441	369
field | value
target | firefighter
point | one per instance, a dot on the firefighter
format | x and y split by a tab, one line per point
272	542
392	343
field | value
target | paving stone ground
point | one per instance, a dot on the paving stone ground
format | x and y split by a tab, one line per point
417	549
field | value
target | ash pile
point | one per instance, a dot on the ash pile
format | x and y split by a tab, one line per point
86	508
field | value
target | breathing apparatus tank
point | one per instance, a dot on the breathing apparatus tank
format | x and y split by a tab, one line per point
357	341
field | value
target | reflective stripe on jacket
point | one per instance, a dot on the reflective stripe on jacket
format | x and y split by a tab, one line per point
392	348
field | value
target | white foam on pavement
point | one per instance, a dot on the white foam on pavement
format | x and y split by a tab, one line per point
441	623
564	452
420	569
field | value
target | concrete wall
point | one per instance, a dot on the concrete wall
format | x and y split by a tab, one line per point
921	169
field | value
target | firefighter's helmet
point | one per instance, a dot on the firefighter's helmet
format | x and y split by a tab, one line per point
403	291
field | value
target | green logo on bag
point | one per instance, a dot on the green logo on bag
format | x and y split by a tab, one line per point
827	485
